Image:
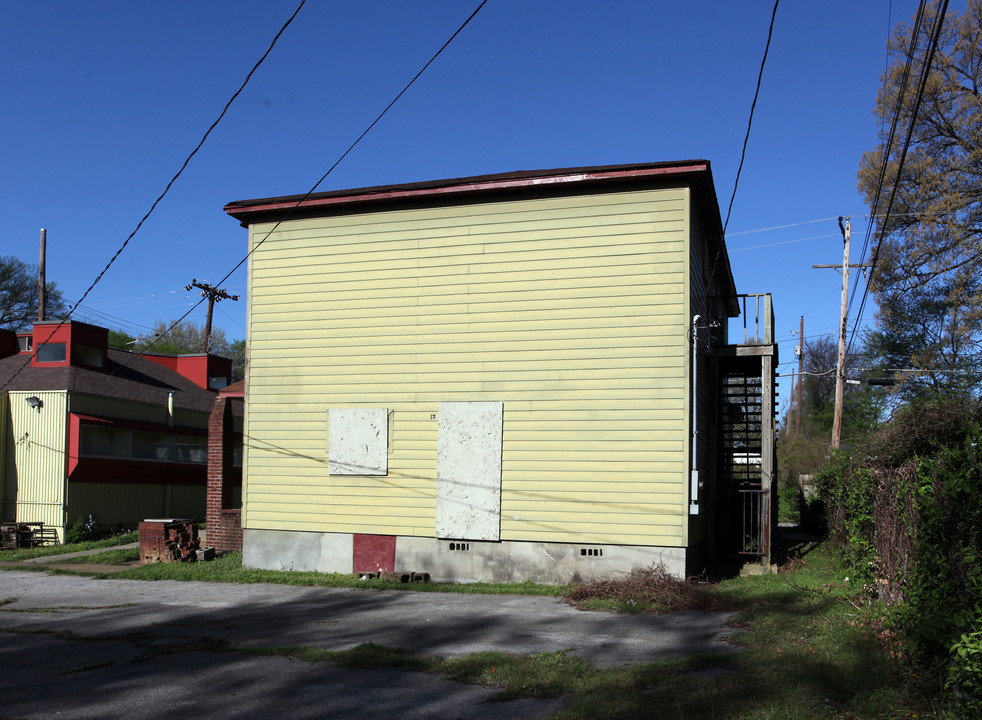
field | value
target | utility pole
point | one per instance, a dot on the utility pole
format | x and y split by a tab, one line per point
214	295
801	366
840	365
42	294
792	410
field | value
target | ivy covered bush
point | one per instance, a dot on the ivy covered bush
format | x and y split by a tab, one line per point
905	512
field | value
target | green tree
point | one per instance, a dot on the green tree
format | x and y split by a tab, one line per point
121	340
928	331
928	274
862	405
19	295
237	351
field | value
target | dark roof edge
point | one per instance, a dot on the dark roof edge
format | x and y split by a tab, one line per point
245	210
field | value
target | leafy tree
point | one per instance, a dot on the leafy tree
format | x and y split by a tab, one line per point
19	295
862	406
928	274
818	383
237	351
806	452
184	337
121	340
927	330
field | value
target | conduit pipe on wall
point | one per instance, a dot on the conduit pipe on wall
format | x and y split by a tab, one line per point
694	472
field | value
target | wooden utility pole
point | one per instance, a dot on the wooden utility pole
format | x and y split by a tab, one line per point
792	410
42	294
214	295
801	366
840	366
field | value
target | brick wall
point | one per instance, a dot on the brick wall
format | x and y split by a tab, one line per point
224	521
226	533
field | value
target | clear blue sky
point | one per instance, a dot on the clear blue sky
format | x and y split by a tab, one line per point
102	101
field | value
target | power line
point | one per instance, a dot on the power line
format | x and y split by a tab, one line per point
925	72
746	139
313	189
784	242
194	152
156	202
898	108
750	121
781	227
119	323
337	162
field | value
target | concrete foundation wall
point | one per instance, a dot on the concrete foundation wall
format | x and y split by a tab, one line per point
288	550
461	561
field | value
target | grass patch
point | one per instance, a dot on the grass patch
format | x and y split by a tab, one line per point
124	556
48	550
228	568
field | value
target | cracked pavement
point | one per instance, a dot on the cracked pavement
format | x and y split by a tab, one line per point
77	647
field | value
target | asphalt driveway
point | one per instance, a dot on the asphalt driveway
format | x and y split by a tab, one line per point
75	647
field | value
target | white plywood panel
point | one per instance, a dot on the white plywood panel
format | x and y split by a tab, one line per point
468	467
358	441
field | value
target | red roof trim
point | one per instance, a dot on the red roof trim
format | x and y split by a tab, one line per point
463	186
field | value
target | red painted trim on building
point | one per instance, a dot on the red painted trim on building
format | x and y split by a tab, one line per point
196	368
373	553
128	471
71	334
120	471
74	435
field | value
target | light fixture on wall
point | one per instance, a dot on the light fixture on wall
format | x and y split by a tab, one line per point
35	402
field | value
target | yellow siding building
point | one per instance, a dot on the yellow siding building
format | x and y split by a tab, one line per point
484	379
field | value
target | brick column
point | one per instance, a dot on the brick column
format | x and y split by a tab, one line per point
224	521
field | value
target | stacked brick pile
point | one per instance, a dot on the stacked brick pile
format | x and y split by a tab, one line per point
168	541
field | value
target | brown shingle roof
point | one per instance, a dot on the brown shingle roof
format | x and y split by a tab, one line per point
127	376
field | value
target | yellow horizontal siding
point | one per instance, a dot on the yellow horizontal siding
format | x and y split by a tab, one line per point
570	311
35	483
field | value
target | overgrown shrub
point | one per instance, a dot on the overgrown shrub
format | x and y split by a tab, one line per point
965	673
847	491
906	510
653	589
76	532
788	501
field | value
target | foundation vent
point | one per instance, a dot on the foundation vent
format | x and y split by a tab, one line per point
591	552
460	547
